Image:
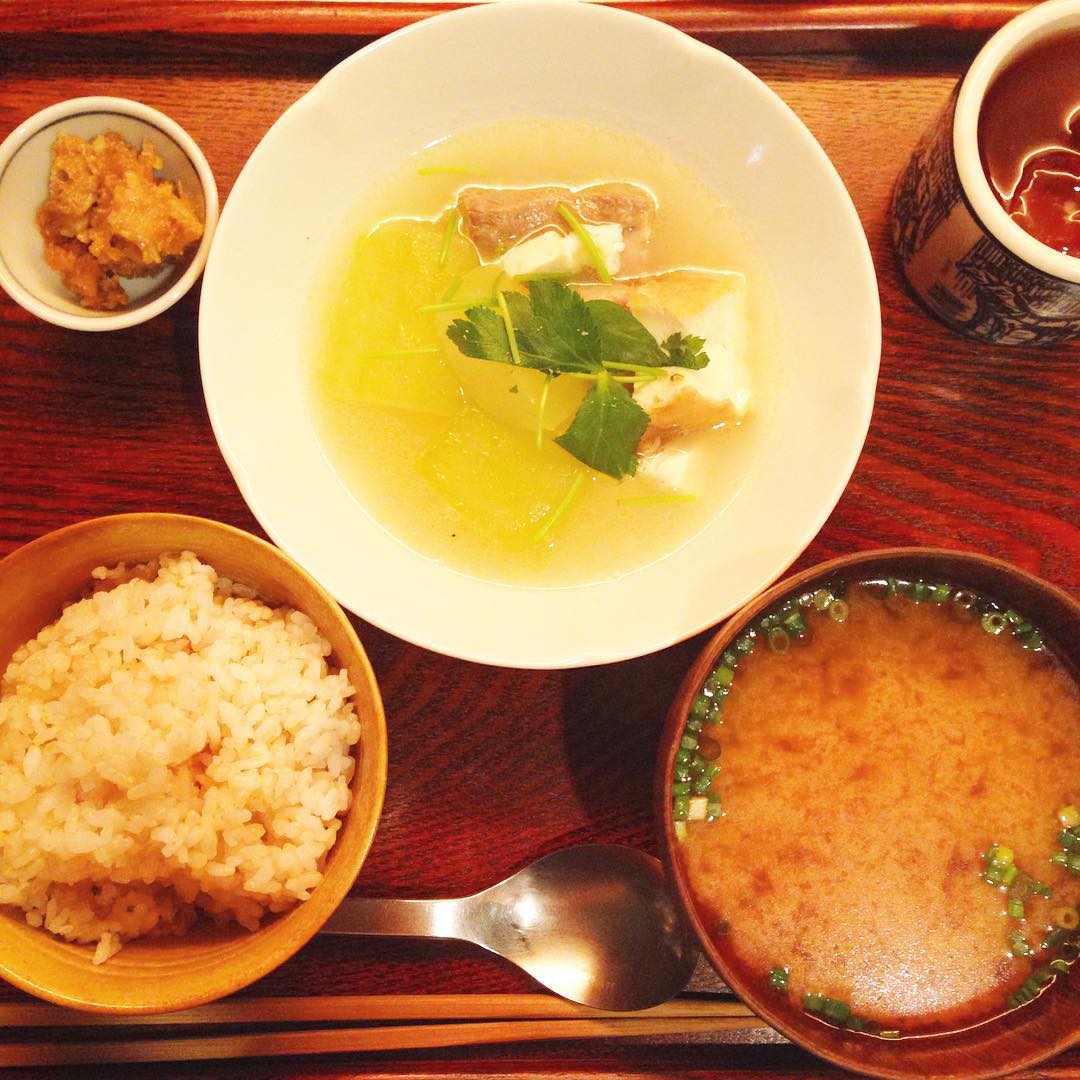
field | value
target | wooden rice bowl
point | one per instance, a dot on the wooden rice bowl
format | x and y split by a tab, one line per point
165	974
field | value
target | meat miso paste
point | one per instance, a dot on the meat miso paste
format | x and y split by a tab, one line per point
543	353
877	798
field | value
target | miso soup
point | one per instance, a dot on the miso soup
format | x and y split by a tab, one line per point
877	795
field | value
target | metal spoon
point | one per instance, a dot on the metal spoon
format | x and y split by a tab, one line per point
595	923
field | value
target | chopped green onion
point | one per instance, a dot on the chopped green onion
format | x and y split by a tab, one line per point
1069	816
680	807
458	305
1018	945
511	333
1008	875
700	707
1015	909
1069	840
1000	856
1055	938
1072	863
452	288
714	809
1067	918
778	978
918	591
730	658
540	410
746	643
813	1002
855	1023
698	763
1012	617
891	1034
682	774
1059	858
892	586
724	676
993	622
587	242
940	593
452	220
688	742
680	789
683	757
821	599
1040	888
561	509
838	611
837	1010
694	724
1058	967
680	830
779	642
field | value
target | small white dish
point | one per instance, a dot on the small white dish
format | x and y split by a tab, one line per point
25	157
534	58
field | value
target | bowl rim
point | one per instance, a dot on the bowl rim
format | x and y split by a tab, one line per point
138	313
373	774
777	1014
517	650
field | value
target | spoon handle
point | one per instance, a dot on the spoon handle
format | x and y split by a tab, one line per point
397	918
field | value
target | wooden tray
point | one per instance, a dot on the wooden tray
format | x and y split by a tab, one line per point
970	447
792	26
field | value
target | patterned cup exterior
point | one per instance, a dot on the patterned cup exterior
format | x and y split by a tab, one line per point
961	273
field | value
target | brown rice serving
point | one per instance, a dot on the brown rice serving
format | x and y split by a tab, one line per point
169	745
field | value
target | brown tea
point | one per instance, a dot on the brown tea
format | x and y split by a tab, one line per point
1029	140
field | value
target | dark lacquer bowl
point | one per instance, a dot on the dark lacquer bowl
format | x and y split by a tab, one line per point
1018	1039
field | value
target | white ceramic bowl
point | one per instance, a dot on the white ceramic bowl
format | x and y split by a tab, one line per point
531	58
25	156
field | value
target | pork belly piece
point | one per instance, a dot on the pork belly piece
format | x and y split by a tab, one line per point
495	219
709	304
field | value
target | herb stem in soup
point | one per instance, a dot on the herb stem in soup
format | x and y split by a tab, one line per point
888	761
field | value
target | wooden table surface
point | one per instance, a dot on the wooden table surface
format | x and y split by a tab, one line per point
970	447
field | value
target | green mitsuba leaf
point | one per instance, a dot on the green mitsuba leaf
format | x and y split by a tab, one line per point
606	429
685	351
622	337
559	333
481	335
563	328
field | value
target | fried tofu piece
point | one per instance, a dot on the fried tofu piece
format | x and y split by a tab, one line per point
708	304
495	219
